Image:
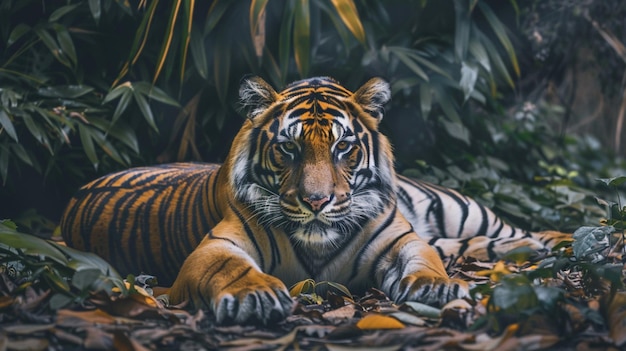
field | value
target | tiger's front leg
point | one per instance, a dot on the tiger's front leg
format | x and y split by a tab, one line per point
412	271
222	276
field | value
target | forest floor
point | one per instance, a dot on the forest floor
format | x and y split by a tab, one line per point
506	313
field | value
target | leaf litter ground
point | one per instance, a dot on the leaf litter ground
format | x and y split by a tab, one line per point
512	309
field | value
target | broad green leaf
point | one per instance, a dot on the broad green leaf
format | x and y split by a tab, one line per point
423	309
30	245
514	295
86	140
60	300
302	37
167	41
7	125
65	91
83	279
62	11
500	31
591	240
145	109
350	17
79	260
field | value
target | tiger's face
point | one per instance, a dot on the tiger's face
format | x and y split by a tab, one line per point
310	158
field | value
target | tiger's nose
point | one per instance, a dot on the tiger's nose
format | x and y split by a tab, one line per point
316	201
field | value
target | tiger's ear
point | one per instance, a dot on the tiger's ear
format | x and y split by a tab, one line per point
256	96
372	96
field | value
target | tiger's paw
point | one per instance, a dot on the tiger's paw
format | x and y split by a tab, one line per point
431	290
263	300
255	298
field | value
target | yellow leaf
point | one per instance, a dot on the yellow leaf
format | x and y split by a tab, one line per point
306	286
495	274
379	321
350	17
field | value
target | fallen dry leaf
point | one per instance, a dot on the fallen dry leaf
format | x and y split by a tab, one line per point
378	321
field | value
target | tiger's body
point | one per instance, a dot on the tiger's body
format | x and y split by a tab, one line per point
308	191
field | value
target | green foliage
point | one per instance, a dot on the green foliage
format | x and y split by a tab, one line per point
71	275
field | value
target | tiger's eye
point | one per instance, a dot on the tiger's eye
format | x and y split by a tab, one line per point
342	145
288	146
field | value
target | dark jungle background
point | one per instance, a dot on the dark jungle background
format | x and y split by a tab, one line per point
519	104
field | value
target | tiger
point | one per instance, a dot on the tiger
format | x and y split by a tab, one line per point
308	190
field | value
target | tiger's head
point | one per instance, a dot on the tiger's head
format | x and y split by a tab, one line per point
310	158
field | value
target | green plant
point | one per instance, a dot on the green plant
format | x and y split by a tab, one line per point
71	275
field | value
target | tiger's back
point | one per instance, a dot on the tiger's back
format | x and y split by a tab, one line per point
145	219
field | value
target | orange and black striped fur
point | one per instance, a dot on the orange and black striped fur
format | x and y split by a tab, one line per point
308	190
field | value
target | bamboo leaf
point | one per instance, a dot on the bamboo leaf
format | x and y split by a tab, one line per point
477	50
62	11
186	36
409	63
4	164
500	31
426	98
257	25
144	107
284	40
17	33
462	26
469	75
52	45
65	91
153	92
350	17
95	7
497	62
217	10
221	69
119	131
169	34
198	53
88	146
7	125
66	43
302	37
122	105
